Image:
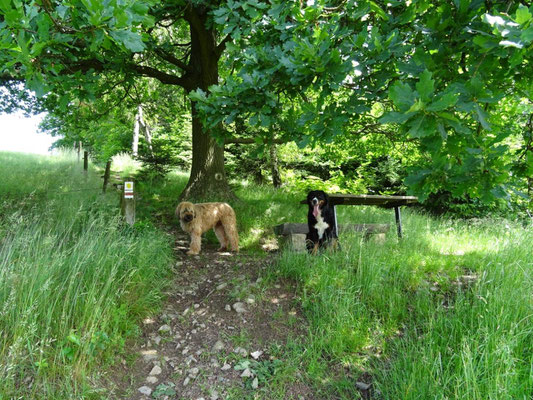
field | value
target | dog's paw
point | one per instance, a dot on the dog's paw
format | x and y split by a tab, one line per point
192	253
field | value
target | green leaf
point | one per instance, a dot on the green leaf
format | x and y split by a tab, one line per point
74	339
402	95
131	40
443	102
394	117
522	14
425	86
482	117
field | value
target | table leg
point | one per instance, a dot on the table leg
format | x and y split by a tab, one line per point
398	220
335	216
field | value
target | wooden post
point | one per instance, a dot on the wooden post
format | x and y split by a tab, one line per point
85	161
106	175
127	202
398	220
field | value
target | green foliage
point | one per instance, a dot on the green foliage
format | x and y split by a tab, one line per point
436	78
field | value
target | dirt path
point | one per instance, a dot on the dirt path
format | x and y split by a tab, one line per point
220	336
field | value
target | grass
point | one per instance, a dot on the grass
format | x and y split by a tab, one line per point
74	281
445	313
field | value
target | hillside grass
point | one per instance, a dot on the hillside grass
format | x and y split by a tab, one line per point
74	281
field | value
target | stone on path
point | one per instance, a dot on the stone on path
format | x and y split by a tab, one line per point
247	373
239	307
362	385
256	354
225	367
255	383
219	345
156	370
145	390
164	328
151	379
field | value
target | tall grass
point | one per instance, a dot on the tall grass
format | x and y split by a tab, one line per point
74	281
444	313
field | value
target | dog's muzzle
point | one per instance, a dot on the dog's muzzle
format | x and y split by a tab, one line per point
314	201
188	217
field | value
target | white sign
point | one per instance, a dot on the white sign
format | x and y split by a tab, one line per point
128	187
128	195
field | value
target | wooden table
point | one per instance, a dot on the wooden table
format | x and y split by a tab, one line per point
371	200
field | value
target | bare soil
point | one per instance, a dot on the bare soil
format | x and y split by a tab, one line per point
200	346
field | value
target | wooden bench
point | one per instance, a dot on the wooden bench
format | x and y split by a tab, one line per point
371	200
293	234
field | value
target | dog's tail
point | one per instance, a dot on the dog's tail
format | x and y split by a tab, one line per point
229	222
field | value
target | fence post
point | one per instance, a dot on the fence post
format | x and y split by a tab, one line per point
85	161
106	175
127	202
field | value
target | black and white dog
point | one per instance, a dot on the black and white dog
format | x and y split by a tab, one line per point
321	221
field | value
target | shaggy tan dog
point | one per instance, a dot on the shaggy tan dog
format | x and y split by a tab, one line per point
197	219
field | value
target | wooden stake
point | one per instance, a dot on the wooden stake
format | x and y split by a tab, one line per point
127	202
106	175
85	161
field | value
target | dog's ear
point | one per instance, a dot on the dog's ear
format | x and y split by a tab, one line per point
178	209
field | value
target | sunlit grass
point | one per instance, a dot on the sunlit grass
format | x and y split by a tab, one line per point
444	313
74	281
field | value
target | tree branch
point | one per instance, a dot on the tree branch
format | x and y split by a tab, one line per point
173	60
222	46
251	141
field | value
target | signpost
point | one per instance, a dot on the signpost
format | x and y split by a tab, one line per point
128	202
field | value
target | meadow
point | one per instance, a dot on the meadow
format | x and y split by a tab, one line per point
444	313
74	281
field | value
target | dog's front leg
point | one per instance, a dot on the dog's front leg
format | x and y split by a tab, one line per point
196	243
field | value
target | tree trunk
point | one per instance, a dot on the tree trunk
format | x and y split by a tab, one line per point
274	167
146	129
135	142
208	178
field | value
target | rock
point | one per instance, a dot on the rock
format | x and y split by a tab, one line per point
186	381
149	355
250	299
164	329
145	390
214	395
256	354
225	367
227	308
222	286
219	346
193	372
247	373
157	340
255	383
239	308
156	370
362	385
151	379
196	306
241	351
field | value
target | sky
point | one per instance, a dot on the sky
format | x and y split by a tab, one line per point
20	134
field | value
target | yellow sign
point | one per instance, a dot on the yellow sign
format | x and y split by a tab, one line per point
128	187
